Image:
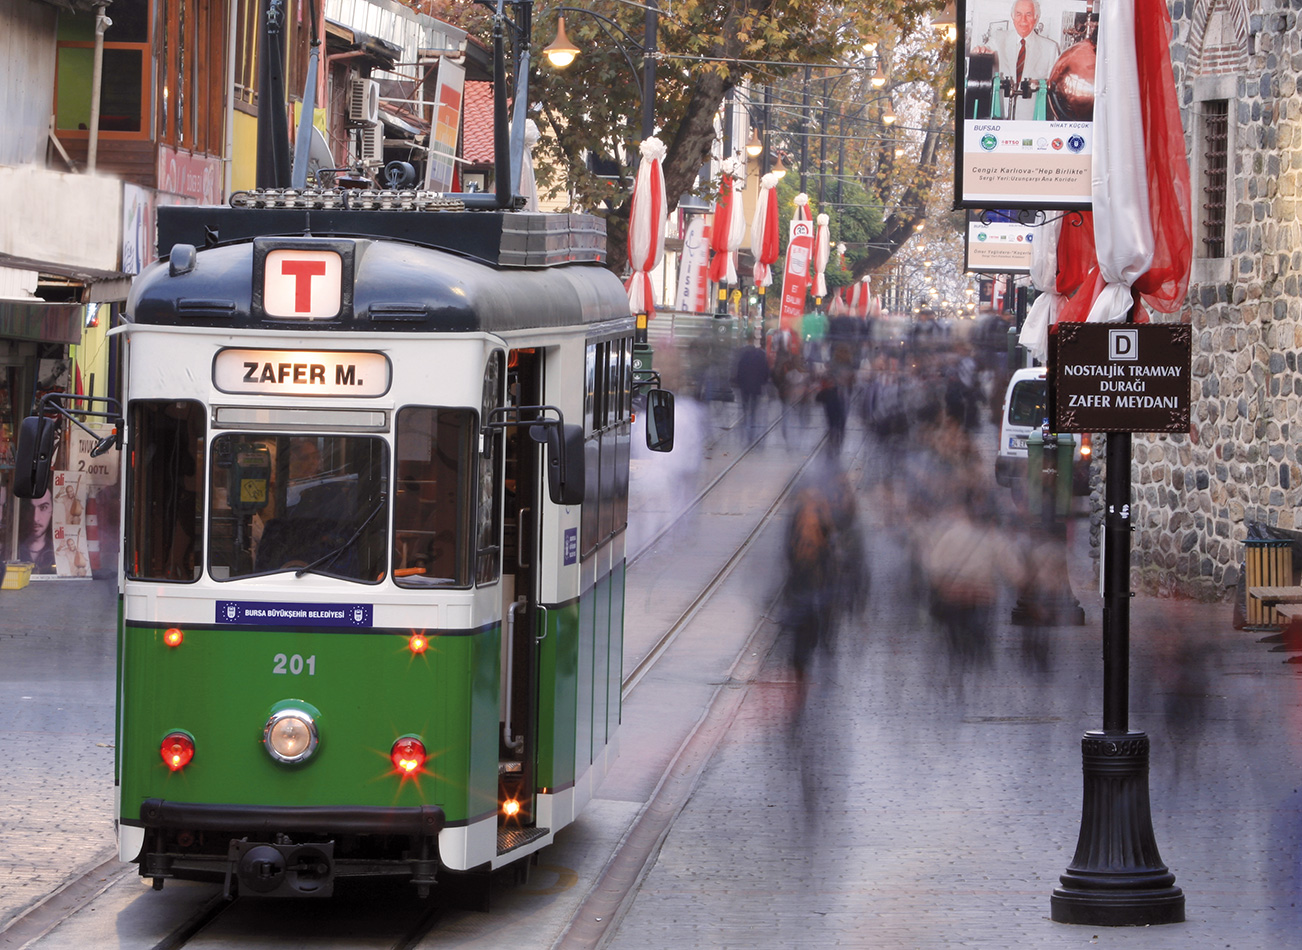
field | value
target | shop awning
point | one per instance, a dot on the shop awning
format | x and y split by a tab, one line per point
40	321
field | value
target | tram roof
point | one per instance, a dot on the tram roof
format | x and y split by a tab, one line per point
413	272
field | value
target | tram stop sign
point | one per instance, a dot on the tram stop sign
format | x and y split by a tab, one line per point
1109	377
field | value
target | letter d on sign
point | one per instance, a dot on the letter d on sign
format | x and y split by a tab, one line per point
1123	344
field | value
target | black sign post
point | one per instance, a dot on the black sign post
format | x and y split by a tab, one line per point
1118	379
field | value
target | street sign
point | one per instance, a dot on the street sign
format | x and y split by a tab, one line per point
1109	377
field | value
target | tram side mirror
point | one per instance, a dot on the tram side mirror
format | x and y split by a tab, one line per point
36	441
660	420
250	478
565	463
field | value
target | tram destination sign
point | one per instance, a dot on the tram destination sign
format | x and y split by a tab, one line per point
1120	377
301	372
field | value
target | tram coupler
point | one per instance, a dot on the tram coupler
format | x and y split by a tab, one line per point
264	869
424	870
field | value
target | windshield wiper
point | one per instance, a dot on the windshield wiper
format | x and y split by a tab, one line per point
329	556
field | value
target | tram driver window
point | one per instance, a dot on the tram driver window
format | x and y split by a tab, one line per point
288	502
165	520
434	502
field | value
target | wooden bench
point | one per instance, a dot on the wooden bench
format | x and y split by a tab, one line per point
1273	596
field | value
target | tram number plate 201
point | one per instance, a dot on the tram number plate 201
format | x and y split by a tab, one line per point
293	665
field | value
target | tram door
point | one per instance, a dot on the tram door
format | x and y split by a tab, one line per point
521	579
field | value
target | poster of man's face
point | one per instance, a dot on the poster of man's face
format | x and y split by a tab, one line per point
1027	102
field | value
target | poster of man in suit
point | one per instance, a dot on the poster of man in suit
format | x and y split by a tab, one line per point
1026	105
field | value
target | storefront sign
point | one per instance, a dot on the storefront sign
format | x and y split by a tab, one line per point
190	175
1108	377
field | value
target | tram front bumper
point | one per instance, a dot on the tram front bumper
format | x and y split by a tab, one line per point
279	851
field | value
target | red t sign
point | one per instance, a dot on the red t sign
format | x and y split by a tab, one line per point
303	272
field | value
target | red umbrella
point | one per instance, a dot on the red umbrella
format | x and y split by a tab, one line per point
646	227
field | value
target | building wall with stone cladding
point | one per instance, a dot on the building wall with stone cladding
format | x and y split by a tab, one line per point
1194	496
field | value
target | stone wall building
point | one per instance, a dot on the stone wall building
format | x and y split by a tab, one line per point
1238	72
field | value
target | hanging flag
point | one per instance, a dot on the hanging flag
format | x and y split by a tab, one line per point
1138	230
721	261
736	228
646	227
764	242
822	252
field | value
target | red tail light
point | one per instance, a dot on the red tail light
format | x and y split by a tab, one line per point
173	637
177	750
408	755
418	643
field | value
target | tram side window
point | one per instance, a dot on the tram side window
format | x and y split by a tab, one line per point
488	526
434	504
165	521
286	502
605	503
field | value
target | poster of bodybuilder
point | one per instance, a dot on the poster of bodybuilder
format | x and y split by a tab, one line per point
1025	112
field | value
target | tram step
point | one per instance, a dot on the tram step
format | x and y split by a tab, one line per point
508	839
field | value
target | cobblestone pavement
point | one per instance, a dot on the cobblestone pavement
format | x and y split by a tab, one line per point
923	799
57	651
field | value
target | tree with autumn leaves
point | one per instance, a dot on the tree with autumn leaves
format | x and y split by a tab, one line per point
808	56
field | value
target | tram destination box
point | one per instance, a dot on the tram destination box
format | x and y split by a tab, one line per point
1119	377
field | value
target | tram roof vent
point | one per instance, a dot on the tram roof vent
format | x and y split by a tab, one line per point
499	238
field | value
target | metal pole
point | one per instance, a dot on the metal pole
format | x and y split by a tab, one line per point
804	131
1116	877
102	23
1116	585
649	69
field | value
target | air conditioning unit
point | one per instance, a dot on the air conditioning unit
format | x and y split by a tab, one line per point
370	148
364	101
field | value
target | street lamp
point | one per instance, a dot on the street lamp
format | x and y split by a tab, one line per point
560	52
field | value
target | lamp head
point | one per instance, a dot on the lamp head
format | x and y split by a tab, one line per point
560	52
754	147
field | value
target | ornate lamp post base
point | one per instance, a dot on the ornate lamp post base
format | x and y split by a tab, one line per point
1117	878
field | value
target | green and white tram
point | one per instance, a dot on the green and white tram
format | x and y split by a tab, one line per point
372	589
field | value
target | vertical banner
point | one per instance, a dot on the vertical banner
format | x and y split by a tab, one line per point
1025	109
444	126
795	278
692	264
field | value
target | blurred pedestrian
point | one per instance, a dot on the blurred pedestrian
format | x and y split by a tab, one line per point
749	375
832	398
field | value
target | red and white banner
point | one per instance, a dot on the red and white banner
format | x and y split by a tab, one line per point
796	278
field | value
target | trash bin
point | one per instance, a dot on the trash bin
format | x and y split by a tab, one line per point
1266	563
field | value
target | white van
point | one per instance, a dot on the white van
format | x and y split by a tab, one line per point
1026	408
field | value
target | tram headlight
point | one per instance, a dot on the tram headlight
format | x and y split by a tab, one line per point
177	749
290	735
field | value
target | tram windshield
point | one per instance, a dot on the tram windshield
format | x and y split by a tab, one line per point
320	504
298	502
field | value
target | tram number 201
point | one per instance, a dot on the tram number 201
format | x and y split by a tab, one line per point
293	665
